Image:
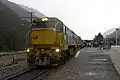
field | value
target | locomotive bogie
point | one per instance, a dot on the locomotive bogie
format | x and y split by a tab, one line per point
45	57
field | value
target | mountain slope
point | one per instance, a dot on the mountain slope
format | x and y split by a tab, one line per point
12	34
22	10
108	32
13	27
37	13
111	33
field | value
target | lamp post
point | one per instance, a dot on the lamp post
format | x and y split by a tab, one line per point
116	36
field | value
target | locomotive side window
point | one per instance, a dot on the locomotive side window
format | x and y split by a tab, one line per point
65	29
59	27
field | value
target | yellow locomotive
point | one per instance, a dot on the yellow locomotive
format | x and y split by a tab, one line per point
49	41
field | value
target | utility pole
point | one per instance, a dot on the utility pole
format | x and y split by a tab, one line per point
116	36
30	18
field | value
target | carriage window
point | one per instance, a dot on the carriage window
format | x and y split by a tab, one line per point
59	27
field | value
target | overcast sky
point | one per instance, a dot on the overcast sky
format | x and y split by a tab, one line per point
86	17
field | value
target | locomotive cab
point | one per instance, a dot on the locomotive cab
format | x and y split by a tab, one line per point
46	39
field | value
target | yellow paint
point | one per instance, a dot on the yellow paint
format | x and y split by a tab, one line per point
44	36
37	52
47	37
58	38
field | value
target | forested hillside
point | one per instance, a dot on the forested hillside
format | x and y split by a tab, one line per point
13	25
12	31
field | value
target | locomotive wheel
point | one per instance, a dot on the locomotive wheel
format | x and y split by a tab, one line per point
62	56
49	60
70	51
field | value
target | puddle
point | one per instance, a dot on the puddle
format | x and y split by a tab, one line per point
90	73
97	62
96	75
100	59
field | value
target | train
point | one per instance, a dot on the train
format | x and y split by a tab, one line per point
50	42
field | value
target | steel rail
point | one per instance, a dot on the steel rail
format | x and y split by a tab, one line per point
16	75
39	74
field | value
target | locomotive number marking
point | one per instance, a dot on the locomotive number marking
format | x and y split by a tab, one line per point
35	37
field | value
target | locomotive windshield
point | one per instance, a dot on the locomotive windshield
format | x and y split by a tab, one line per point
48	23
43	24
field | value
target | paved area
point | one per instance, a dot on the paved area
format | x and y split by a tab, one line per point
88	64
115	56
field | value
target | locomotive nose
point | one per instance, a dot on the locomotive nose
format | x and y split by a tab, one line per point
43	36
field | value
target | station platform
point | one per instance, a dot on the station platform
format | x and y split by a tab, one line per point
88	64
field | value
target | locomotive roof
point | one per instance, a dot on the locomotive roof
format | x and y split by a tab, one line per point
55	18
49	18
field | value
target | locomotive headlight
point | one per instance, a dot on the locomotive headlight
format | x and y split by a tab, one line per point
42	49
44	19
28	50
57	50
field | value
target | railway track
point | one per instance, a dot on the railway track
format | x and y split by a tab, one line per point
28	74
